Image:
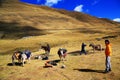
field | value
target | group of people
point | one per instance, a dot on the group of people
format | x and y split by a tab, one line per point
63	52
107	54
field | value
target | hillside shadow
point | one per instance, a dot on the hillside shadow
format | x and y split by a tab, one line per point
14	30
90	70
88	31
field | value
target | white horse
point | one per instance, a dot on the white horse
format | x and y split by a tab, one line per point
21	57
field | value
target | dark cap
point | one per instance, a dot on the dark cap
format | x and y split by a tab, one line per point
107	41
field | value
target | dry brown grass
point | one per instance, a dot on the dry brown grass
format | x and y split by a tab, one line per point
59	29
87	67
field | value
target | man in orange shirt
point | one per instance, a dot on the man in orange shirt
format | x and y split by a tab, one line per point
107	54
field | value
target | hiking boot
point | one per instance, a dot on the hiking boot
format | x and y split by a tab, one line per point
110	70
106	71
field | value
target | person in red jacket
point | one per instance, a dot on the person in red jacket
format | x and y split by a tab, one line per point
107	54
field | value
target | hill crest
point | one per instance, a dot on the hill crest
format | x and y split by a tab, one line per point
49	20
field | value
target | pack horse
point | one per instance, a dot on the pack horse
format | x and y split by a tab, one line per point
97	47
62	53
21	56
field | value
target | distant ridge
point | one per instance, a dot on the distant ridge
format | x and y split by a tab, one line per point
44	20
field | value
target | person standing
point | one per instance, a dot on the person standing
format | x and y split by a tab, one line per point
83	49
48	49
108	54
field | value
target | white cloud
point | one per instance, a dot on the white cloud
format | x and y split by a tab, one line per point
51	2
116	19
79	8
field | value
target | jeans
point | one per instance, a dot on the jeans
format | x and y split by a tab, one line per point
108	63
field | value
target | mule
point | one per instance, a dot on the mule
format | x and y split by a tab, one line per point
46	49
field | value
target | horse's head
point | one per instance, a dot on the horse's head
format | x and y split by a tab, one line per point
91	44
43	48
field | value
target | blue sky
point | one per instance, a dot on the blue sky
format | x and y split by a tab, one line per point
100	8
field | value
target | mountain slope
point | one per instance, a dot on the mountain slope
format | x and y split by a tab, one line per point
45	20
25	26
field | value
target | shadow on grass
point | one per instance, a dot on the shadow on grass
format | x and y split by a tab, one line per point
57	60
74	53
90	70
16	64
77	53
41	55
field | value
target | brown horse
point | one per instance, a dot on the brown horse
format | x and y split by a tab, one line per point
46	49
96	47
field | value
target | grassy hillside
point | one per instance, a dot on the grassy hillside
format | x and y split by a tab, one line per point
26	26
46	20
87	67
19	20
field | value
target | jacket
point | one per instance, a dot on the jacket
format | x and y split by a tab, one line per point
108	50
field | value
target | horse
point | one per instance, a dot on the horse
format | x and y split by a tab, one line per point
46	49
62	53
96	47
21	57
